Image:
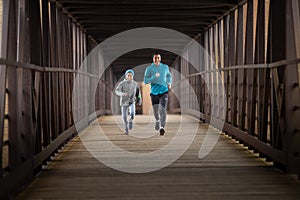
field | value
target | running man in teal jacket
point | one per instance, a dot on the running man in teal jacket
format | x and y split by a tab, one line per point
160	78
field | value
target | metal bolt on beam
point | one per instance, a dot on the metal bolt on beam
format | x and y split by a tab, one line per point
295	108
295	85
280	86
296	131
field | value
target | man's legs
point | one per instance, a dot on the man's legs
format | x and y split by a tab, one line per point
124	110
163	102
132	114
155	105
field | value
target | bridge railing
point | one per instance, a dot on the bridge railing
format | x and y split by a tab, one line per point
38	117
253	53
262	130
41	54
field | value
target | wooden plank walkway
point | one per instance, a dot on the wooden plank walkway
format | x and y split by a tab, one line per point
230	171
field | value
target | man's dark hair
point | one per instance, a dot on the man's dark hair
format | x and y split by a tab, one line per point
156	53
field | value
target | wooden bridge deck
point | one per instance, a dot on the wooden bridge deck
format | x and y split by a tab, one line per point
230	171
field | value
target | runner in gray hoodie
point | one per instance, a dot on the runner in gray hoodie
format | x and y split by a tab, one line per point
129	92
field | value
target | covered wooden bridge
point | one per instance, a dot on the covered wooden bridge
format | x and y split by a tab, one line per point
232	130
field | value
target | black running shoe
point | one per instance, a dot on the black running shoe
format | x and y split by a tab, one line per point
161	131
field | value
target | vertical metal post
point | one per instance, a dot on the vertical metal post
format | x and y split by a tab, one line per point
241	72
251	73
276	52
232	61
292	113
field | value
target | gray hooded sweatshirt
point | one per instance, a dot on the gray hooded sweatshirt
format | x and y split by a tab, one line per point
129	87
